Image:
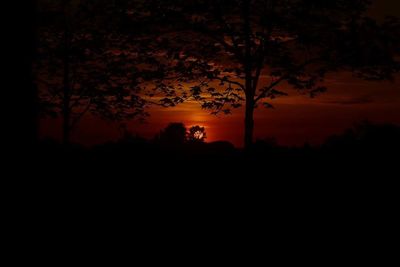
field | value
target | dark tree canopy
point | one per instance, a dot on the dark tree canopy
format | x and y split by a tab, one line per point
114	58
219	50
95	57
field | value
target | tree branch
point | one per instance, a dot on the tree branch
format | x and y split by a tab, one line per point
230	81
80	97
259	67
263	46
228	28
79	117
265	91
228	47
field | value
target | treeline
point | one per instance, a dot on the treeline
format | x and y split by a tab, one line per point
365	141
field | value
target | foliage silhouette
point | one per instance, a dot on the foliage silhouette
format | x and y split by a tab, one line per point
115	58
229	52
173	135
94	58
366	137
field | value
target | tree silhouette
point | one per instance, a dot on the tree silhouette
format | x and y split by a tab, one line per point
173	135
249	50
197	134
33	90
367	137
89	64
22	39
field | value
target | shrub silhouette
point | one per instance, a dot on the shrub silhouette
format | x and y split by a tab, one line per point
366	136
173	135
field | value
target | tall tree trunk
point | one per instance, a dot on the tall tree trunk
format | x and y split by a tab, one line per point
249	122
34	110
66	79
248	66
24	125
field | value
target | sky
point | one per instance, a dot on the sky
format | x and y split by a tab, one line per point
295	120
382	8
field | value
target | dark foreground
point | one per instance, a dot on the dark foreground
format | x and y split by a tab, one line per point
352	177
367	152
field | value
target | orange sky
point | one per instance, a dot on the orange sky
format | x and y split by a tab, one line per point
296	118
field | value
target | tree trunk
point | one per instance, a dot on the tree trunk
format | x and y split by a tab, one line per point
66	82
249	90
34	109
249	122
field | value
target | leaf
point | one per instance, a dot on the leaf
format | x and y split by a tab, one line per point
166	102
216	94
268	105
196	90
317	91
236	105
275	93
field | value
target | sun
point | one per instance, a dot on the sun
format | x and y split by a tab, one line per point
197	133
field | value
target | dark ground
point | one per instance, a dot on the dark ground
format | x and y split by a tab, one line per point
344	191
366	152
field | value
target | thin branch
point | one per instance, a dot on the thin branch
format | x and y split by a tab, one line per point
230	81
80	98
228	92
79	117
228	47
229	29
259	67
263	47
266	90
154	103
